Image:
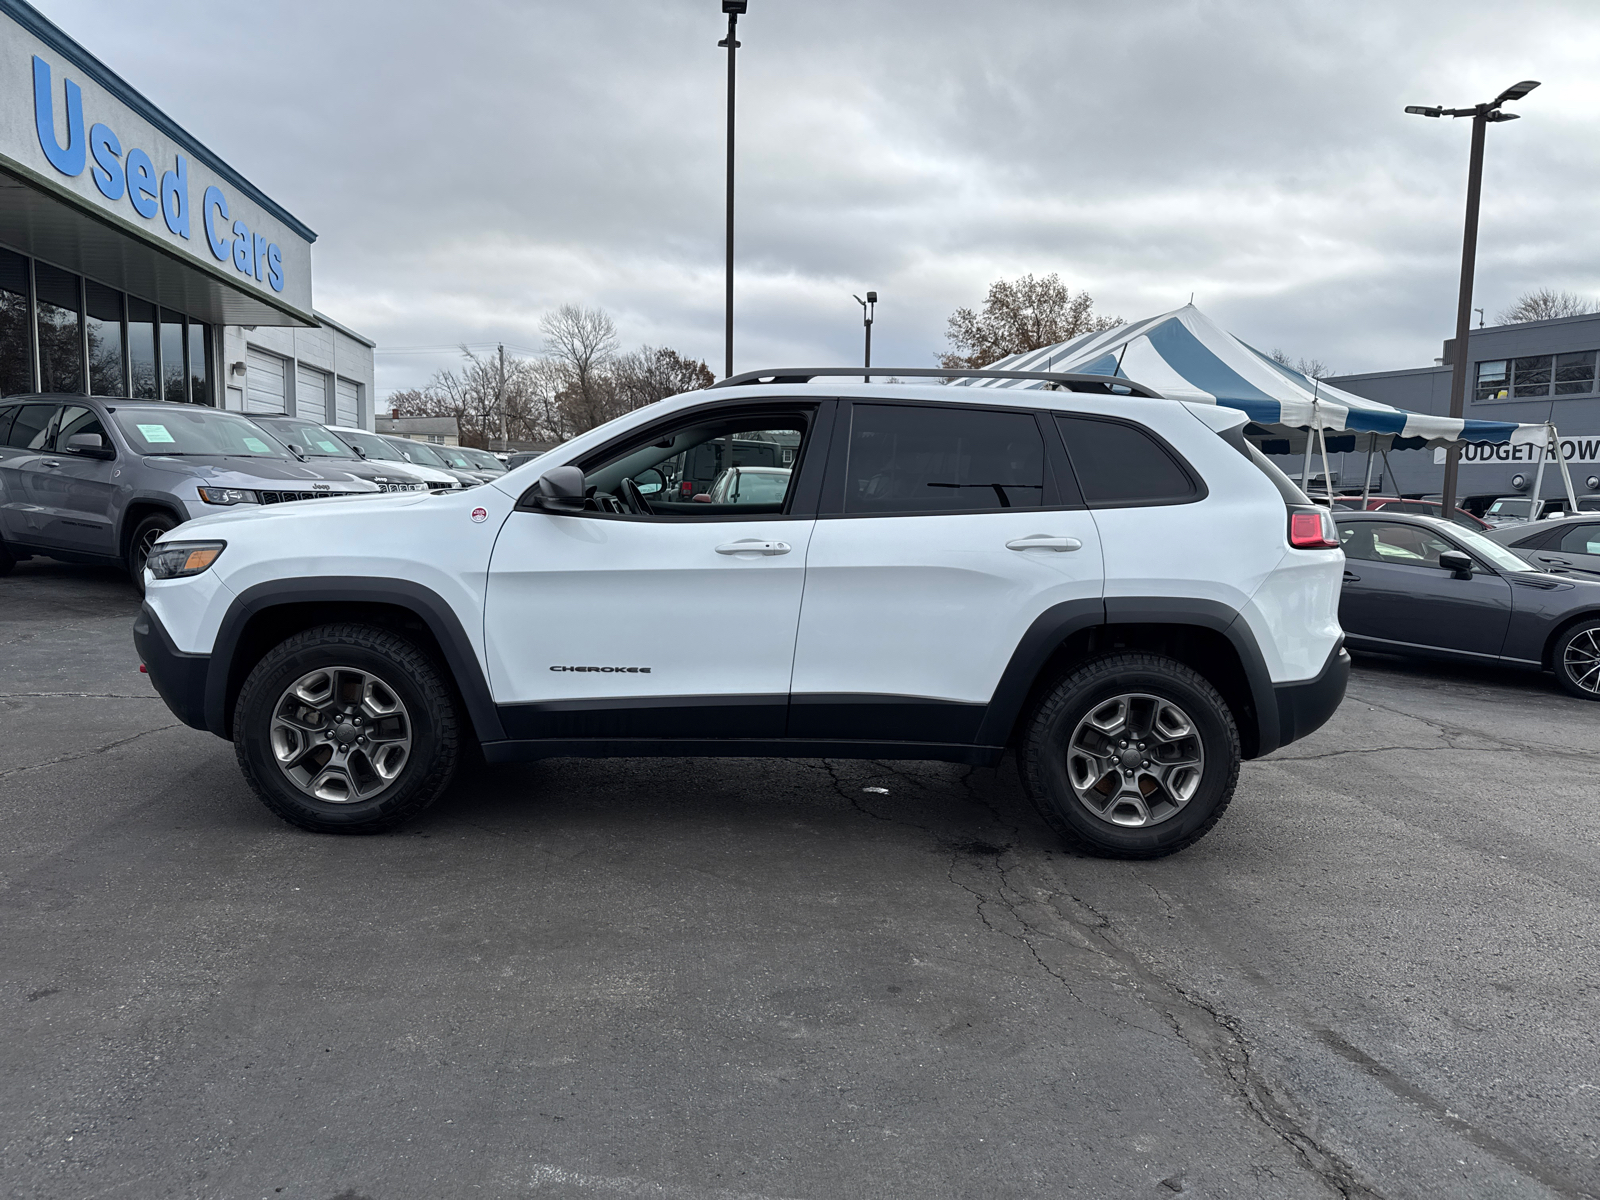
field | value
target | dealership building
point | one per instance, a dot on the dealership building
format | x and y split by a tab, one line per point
135	262
1536	372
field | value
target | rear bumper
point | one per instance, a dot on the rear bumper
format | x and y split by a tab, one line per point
179	678
1305	707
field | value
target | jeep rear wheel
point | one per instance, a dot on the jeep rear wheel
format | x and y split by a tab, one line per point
1131	756
346	729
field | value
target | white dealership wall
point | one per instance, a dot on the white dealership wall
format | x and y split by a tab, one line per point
315	364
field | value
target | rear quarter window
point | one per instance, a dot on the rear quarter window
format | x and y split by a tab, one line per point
1122	465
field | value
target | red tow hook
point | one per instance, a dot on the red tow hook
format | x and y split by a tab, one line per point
143	670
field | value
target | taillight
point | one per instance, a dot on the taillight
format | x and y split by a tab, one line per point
1312	529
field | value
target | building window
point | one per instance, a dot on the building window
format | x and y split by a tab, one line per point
60	331
16	346
142	348
174	381
1536	376
104	325
199	363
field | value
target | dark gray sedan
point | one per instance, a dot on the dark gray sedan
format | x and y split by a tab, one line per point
1418	585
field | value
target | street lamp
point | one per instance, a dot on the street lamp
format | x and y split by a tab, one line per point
869	309
734	10
1481	115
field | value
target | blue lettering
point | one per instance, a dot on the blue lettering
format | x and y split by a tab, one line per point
243	247
107	173
142	192
68	161
175	198
215	204
260	256
275	267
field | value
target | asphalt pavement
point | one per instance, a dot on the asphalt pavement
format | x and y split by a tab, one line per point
743	980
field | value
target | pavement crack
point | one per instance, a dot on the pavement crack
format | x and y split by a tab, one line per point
107	748
72	696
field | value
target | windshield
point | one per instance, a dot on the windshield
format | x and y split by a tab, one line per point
373	446
187	429
455	456
1510	508
1492	553
313	440
419	452
484	460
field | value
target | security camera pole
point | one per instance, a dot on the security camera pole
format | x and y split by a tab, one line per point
869	309
734	9
1481	115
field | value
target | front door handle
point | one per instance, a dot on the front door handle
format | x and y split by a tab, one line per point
754	546
1351	577
1040	541
1551	558
49	462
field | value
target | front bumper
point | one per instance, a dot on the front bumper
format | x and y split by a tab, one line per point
179	678
1305	707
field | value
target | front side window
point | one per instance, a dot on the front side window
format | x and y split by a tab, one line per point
916	459
691	470
77	419
1380	541
188	430
1121	465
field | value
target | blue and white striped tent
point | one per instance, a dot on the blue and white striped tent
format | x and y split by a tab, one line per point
1185	356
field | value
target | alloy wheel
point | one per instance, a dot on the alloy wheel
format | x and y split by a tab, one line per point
340	734
1135	760
1581	660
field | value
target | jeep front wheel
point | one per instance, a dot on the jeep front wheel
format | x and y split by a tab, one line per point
346	729
1131	756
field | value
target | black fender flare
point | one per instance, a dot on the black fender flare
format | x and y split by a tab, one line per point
1061	621
422	602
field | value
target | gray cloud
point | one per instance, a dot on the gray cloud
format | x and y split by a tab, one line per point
470	165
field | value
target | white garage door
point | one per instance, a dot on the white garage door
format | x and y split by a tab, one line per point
347	396
264	383
311	393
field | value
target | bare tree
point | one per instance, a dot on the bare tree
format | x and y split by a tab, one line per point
1546	304
1311	368
583	344
1020	315
650	374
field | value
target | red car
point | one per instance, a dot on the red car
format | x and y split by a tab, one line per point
1419	508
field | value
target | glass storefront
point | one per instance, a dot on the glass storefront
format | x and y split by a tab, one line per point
62	333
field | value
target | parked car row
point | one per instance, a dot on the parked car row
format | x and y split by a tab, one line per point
95	479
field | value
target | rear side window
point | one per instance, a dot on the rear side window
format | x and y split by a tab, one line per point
1581	539
1122	465
28	430
911	459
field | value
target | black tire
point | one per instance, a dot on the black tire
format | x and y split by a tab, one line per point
1043	757
1574	659
145	535
412	677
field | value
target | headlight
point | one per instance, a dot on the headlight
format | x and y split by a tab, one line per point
213	495
175	560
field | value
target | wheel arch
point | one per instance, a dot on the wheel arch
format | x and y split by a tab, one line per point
264	615
137	510
1560	630
1206	635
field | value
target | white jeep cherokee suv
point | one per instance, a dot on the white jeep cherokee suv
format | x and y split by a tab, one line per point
1114	585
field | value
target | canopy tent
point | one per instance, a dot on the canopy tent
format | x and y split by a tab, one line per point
1184	355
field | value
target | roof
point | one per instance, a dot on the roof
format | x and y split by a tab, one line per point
36	23
332	324
1184	355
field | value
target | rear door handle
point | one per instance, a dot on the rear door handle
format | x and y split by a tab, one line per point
1551	558
49	462
754	546
1040	541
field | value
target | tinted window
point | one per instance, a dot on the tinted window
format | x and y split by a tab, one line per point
77	419
33	421
1380	541
905	459
1581	539
1122	464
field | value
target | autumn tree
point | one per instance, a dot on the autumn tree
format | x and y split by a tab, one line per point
1546	304
1020	315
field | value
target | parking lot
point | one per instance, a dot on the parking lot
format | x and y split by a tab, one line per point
678	978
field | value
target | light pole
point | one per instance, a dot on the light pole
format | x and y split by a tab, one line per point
734	9
869	309
1481	115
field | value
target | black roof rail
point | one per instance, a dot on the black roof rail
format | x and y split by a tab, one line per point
1110	385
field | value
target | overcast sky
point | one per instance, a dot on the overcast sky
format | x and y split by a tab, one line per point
468	165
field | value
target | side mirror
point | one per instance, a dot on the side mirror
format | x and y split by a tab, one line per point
1457	562
90	445
560	489
360	453
650	481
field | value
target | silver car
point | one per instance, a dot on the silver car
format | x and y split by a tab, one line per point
94	479
1564	545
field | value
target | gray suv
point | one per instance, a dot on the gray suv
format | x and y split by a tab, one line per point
97	480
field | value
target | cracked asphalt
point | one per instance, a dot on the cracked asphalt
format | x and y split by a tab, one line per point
736	979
